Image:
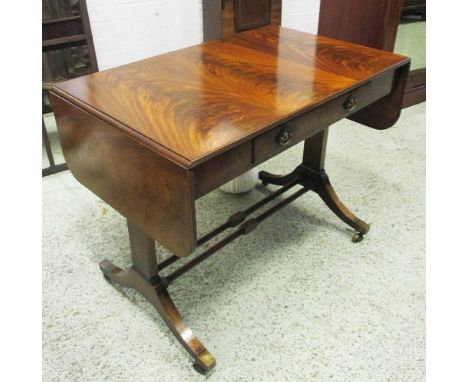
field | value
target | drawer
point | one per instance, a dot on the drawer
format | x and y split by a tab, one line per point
220	169
300	128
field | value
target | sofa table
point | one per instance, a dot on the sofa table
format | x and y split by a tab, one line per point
151	137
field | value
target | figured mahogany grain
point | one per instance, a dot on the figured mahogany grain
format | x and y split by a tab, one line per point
153	193
200	101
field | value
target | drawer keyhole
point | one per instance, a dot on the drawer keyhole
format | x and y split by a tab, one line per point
350	103
284	137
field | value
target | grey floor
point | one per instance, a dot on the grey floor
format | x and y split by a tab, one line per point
411	42
293	301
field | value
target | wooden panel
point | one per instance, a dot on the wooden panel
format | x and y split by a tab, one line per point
151	191
73	26
367	22
227	18
60	65
198	102
415	91
250	14
54	9
251	10
211	20
414	96
414	7
416	78
67	39
275	15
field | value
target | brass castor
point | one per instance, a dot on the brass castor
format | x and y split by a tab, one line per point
199	369
357	237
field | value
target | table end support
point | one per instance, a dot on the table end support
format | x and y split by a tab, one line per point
322	186
312	175
154	288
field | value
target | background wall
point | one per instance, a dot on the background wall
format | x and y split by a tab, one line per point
128	30
302	15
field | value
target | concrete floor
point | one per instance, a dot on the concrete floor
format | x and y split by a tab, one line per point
293	301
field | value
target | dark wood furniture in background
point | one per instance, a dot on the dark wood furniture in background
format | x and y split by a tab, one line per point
416	89
151	137
369	23
373	24
67	52
414	8
240	15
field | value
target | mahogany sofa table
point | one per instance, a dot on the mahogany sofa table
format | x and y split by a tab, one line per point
151	137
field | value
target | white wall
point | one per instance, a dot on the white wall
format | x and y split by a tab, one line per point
302	15
129	30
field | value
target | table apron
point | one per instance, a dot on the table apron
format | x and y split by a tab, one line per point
224	167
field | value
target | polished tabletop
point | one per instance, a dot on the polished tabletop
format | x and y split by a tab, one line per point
201	100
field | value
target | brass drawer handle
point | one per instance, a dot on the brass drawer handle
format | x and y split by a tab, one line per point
284	137
350	102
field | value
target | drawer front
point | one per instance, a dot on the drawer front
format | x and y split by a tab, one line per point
218	170
300	128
